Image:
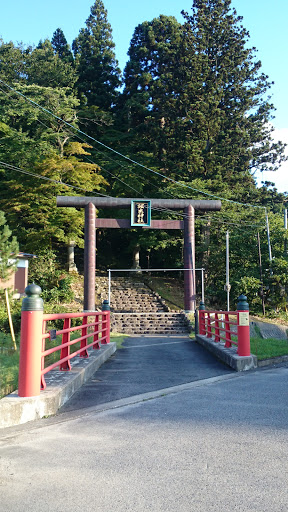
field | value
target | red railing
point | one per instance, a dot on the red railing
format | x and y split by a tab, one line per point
35	356
97	330
232	327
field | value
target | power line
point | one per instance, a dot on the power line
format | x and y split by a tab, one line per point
124	156
39	176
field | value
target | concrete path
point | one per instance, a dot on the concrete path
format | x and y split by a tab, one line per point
147	364
208	441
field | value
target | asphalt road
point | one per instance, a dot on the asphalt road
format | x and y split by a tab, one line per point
215	444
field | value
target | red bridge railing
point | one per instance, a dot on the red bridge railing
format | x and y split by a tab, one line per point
43	349
232	327
95	329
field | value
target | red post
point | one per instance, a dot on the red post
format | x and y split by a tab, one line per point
228	343
202	330
105	323
96	345
209	329
217	331
31	343
84	332
243	328
202	327
65	351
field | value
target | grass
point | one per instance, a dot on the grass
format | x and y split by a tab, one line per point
118	339
171	290
9	364
267	348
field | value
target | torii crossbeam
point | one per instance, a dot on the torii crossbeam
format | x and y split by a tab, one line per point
188	206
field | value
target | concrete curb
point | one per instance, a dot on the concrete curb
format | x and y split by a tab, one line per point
228	355
272	361
15	410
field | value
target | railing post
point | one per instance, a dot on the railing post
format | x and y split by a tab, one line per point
96	345
83	343
202	329
217	331
31	343
65	351
196	317
209	329
106	323
243	329
228	343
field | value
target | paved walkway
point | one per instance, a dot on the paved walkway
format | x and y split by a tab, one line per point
206	440
147	364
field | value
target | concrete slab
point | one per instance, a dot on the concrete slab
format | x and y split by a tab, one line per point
229	356
15	410
268	330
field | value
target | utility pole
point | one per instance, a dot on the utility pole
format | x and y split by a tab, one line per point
285	227
261	275
269	243
227	285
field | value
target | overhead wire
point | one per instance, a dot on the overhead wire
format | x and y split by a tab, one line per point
41	177
126	157
163	210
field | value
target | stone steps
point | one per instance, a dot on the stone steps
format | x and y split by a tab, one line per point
155	323
135	309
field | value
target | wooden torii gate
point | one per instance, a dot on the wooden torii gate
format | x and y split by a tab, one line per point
188	206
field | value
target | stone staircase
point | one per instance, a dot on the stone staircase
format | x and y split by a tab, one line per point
135	309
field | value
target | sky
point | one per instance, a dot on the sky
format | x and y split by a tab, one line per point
266	22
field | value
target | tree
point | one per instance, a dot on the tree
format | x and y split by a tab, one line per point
196	97
150	111
227	102
8	249
12	61
40	145
61	47
46	68
98	72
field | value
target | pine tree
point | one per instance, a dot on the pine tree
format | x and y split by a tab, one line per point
150	95
197	99
99	75
61	47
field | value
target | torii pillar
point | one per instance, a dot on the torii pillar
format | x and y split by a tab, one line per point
89	257
189	259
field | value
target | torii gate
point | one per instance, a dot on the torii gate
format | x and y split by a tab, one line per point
188	206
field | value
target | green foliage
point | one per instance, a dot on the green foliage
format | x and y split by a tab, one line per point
44	271
15	308
8	249
9	363
97	68
61	47
44	67
250	286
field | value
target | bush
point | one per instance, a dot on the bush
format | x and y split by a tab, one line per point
15	307
45	272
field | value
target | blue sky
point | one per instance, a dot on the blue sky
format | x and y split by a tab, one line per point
266	21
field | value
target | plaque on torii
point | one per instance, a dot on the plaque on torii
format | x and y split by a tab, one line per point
141	218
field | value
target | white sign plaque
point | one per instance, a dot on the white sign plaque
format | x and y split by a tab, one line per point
243	318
